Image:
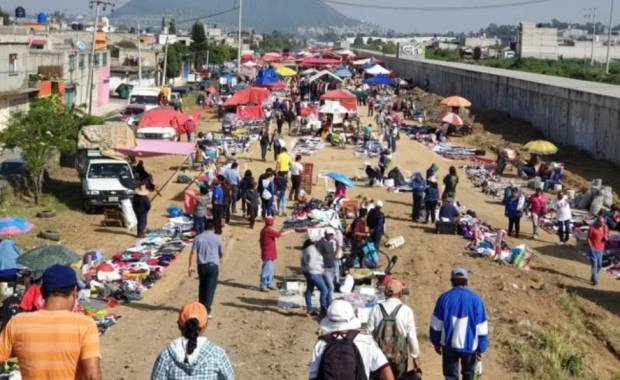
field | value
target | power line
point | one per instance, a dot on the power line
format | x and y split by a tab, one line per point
432	9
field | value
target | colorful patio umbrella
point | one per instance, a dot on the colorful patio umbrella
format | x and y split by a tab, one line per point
341	178
284	71
542	147
456	101
39	259
452	118
14	226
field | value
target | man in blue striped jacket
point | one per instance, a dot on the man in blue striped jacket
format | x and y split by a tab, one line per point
459	329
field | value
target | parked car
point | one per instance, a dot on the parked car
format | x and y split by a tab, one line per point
229	123
105	183
13	173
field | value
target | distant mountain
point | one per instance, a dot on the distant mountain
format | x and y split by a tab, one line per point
261	15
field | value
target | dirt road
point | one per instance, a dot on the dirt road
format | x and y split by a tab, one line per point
266	342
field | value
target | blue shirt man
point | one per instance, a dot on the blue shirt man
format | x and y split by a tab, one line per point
459	329
218	195
449	211
209	249
232	175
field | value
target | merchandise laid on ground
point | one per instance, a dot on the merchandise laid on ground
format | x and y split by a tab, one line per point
294	184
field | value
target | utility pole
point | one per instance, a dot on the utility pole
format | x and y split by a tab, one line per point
139	56
611	17
591	14
166	56
239	47
91	70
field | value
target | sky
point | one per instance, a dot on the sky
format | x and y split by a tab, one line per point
413	21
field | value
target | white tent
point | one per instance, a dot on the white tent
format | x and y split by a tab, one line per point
321	74
361	62
346	52
308	72
333	107
377	70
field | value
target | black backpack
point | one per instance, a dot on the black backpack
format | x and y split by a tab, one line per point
341	360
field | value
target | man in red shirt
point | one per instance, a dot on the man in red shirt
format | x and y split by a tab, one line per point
189	127
537	207
269	253
597	238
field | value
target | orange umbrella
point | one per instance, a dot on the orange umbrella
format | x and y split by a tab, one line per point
456	101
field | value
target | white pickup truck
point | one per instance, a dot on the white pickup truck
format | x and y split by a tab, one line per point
105	182
146	96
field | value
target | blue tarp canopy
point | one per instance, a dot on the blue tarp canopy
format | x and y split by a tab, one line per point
380	80
267	77
339	177
343	72
9	252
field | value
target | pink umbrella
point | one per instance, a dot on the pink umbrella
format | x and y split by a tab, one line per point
452	118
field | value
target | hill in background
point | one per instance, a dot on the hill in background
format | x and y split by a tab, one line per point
260	15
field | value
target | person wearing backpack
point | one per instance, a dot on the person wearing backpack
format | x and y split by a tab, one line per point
392	324
343	352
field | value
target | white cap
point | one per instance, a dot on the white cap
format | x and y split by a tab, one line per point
379	204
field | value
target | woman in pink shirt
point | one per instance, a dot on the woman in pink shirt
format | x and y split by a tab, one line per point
537	207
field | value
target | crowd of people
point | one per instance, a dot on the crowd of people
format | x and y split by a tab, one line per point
346	349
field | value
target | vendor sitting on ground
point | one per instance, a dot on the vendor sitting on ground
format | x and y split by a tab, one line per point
531	168
449	212
555	176
612	217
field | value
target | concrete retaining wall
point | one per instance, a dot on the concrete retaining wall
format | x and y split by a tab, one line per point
570	115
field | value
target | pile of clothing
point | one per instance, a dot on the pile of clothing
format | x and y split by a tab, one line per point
307	146
128	274
484	177
425	134
372	150
312	214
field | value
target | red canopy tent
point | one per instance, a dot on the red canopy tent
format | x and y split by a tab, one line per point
247	57
347	99
272	57
250	113
252	95
166	117
310	61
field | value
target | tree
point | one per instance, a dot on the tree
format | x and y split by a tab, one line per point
4	18
199	44
198	33
359	40
172	29
41	133
173	68
163	23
